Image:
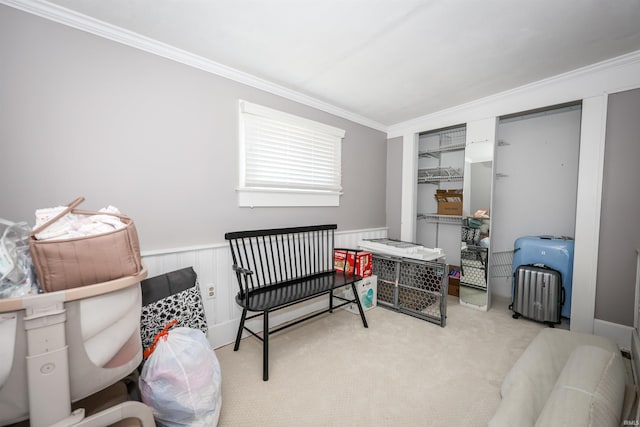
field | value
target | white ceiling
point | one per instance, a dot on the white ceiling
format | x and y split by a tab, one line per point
386	60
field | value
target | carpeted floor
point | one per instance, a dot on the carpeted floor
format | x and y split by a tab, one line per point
401	371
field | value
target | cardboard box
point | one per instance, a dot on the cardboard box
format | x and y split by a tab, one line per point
363	265
449	202
367	293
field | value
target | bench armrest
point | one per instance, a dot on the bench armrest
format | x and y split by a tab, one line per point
348	250
241	270
243	284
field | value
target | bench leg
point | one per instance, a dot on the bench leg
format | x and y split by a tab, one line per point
240	328
265	347
355	293
331	302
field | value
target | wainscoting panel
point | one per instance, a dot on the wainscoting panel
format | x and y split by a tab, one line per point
213	266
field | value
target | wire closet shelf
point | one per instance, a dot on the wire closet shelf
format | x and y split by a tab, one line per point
435	175
451	139
440	219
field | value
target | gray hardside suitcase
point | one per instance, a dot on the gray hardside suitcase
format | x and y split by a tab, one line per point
537	294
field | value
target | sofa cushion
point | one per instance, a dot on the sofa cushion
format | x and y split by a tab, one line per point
530	381
545	357
589	391
516	409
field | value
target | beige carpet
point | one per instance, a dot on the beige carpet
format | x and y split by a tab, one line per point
402	371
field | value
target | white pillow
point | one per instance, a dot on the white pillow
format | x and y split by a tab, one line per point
589	391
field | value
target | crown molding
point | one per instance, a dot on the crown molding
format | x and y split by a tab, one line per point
105	30
414	125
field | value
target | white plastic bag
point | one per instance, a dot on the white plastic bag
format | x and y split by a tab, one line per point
17	278
181	380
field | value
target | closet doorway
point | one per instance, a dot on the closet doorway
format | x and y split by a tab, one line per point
535	182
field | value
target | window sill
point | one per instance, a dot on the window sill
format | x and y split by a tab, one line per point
261	197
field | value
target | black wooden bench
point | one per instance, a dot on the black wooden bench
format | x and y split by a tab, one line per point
280	267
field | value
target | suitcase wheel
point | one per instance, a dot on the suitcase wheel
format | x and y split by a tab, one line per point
515	315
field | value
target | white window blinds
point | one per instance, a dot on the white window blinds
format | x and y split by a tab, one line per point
286	153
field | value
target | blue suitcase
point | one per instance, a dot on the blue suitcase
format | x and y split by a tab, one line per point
553	252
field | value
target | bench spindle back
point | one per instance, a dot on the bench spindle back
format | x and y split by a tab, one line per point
279	255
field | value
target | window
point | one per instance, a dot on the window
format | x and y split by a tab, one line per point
286	160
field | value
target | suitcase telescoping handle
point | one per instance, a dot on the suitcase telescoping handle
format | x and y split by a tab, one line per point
549	237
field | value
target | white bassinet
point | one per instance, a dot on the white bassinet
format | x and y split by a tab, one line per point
60	347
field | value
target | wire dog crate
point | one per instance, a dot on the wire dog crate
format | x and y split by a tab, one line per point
414	287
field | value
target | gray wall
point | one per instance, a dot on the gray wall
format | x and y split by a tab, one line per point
619	230
82	115
394	186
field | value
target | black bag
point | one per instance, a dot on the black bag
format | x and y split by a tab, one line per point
174	295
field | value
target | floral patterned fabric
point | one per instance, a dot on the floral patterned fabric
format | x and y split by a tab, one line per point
174	295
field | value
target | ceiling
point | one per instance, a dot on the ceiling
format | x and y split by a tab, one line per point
383	60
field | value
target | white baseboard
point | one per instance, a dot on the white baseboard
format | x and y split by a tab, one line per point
620	334
222	334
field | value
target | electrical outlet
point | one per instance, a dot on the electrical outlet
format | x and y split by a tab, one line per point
211	291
